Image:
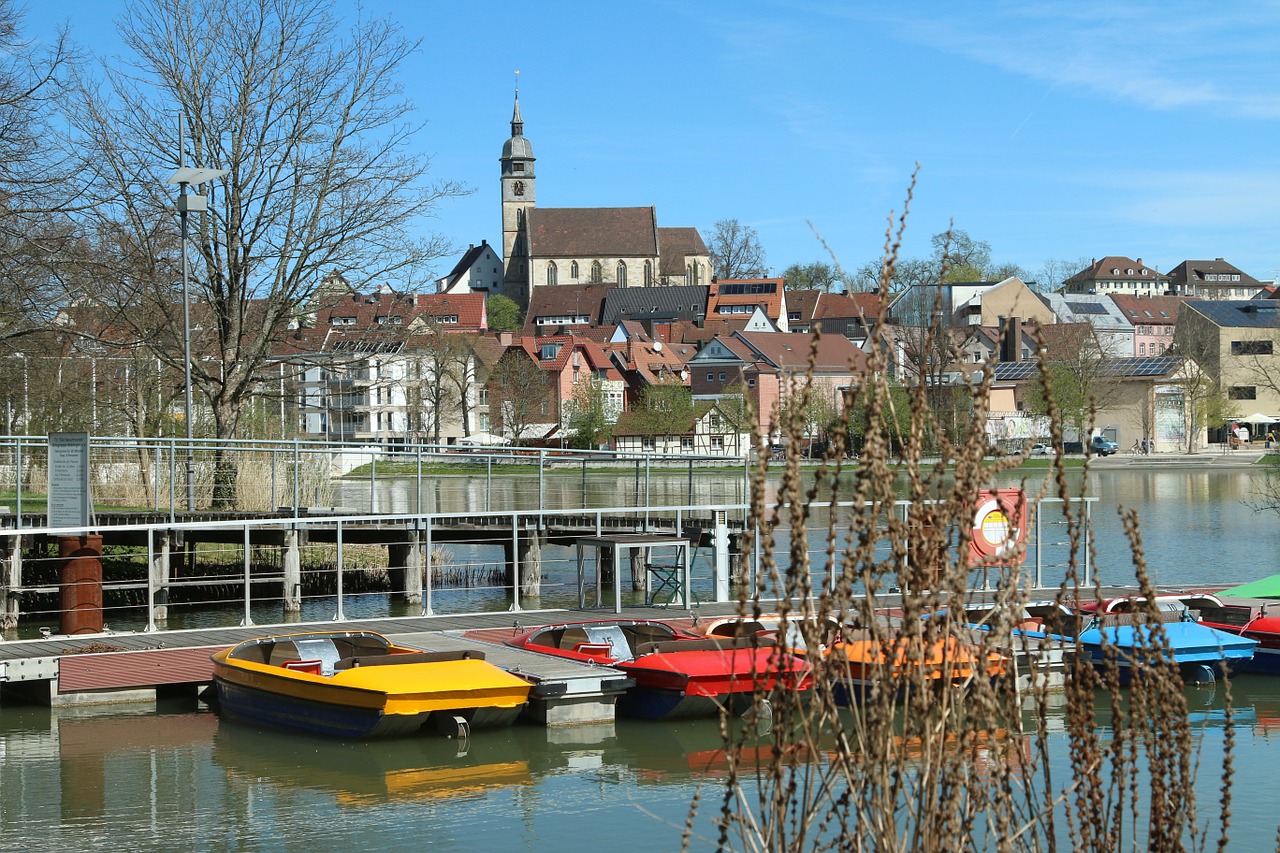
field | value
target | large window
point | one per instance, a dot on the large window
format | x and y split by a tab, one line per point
648	274
622	274
597	272
573	270
551	273
1251	348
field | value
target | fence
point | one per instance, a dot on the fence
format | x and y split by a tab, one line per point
151	474
246	571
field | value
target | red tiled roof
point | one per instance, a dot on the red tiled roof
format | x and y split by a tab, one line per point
1101	270
1147	309
591	232
791	351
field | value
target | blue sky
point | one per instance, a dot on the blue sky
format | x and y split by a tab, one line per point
1060	131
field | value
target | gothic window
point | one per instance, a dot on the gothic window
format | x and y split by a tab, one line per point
551	273
697	273
573	270
622	274
597	272
688	274
648	274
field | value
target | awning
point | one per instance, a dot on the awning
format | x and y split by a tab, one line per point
1265	588
486	439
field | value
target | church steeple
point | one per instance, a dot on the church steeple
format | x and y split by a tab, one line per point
517	123
517	200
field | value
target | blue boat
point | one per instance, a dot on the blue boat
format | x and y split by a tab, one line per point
1200	652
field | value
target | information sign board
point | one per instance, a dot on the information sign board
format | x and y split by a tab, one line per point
69	502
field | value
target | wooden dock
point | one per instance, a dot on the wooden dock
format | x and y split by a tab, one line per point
126	668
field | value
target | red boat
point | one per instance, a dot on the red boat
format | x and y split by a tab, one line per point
676	674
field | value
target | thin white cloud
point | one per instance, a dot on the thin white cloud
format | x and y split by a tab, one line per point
1159	57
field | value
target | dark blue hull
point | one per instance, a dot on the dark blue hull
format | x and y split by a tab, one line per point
275	710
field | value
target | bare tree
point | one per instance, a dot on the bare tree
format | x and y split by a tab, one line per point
312	125
519	395
736	251
811	276
34	228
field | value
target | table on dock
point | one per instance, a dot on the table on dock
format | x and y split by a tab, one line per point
620	543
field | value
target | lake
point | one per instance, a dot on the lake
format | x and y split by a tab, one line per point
172	777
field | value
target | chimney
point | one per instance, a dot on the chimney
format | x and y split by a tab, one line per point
504	339
1010	345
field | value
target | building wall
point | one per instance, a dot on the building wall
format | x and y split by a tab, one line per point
1013	299
608	274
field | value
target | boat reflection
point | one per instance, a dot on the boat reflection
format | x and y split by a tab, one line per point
361	773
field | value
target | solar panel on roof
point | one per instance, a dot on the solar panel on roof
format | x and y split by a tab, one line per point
1086	308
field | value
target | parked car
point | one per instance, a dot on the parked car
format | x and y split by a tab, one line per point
1103	447
1042	449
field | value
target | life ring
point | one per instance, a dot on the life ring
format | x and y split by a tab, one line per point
995	535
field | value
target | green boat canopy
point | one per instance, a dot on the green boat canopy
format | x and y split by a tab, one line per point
1265	588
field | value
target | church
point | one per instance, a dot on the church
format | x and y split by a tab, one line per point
549	246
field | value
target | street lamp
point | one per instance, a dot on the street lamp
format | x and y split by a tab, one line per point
189	203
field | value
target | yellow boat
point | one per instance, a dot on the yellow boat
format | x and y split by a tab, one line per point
357	684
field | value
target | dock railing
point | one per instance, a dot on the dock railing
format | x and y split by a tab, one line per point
248	476
325	567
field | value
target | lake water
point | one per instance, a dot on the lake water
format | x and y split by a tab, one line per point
173	777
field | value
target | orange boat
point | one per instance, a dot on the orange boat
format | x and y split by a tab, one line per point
861	660
858	659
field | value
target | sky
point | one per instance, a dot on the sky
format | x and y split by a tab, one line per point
1063	131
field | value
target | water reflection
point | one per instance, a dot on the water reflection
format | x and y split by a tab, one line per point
164	780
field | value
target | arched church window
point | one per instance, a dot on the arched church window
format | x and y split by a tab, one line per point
551	273
573	270
697	273
688	274
597	272
648	274
622	274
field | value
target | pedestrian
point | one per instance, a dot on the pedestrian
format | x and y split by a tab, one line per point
1146	446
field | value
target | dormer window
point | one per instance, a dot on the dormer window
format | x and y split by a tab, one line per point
1115	271
548	352
1128	272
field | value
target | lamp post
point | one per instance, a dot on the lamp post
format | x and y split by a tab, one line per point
189	203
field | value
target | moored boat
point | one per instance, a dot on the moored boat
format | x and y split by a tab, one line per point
676	674
357	684
1200	652
855	659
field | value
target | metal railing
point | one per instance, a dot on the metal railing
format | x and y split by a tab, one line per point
346	566
263	476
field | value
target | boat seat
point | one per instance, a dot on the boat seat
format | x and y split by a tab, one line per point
611	636
410	657
308	666
322	649
710	644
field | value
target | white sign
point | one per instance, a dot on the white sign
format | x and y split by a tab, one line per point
69	503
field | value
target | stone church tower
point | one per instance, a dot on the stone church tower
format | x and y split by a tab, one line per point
517	200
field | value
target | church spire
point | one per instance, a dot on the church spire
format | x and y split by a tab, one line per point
517	123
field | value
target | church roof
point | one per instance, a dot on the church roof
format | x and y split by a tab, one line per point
593	232
677	244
